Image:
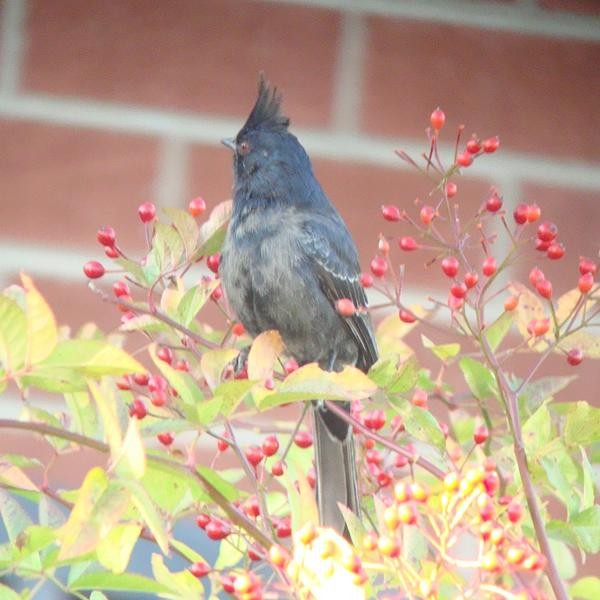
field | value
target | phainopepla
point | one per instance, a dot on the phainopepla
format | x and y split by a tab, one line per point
286	260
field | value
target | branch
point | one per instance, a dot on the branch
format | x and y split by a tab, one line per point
214	494
422	462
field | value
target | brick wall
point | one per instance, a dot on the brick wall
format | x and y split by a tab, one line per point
106	104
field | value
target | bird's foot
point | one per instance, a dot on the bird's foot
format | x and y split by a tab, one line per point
238	367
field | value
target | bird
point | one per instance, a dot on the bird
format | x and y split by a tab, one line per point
286	260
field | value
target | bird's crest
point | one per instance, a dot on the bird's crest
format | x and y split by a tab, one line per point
266	113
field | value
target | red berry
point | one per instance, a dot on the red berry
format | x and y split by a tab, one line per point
255	552
111	251
165	438
157	383
384	478
138	409
238	329
254	454
217	294
465	159
481	434
124	383
536	275
290	366
458	290
426	215
471	279
283	528
491	145
408	244
586	265
520	214
574	356
147	212
303	439
200	569
544	288
202	520
366	280
420	398
93	269
391	212
120	288
141	378
541	245
474	145
251	507
538	327
182	365
374	420
547	231
493	203
196	207
407	317
217	530
489	266
455	303
165	354
491	482
379	266
555	251
106	236
158	398
511	303
437	119
345	307
278	468
534	212
450	266
227	583
270	445
451	189
212	262
514	512
373	456
222	445
586	282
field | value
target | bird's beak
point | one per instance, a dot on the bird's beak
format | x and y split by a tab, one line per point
229	142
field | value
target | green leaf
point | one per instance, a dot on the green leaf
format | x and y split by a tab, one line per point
355	526
114	550
50	512
153	520
121	582
230	395
207	410
212	231
561	472
213	362
184	383
13	335
586	588
194	299
14	517
231	551
397	380
93	358
230	492
34	538
586	526
420	423
54	379
106	402
442	351
83	412
184	584
587	497
582	426
540	390
134	269
186	227
7	593
565	562
188	552
498	330
537	430
42	332
96	595
480	379
167	245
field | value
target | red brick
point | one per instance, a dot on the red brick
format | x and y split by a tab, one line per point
202	55
588	7
533	91
59	185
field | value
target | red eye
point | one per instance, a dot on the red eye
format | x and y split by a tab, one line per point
243	148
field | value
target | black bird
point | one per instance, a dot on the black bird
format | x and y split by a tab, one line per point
287	258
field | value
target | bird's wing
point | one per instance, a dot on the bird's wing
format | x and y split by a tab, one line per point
332	254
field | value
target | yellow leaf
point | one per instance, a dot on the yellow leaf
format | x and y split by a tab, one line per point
567	302
585	340
213	362
107	408
530	307
115	549
131	459
170	300
42	333
391	331
14	477
263	354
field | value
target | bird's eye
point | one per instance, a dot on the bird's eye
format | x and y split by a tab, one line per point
243	148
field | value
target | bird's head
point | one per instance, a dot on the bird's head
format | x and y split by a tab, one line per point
267	157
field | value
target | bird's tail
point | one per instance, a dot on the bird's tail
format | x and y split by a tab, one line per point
336	468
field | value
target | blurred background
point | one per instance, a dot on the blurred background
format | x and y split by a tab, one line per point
106	104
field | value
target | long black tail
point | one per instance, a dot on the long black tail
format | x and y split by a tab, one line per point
336	468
